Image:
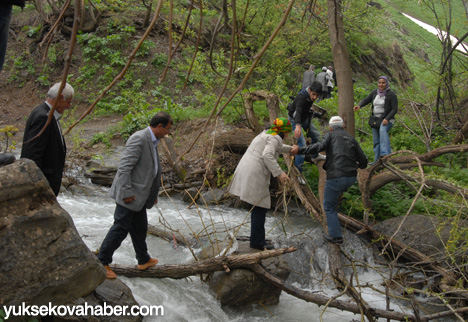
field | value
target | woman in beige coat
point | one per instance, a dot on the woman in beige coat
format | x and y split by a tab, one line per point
251	179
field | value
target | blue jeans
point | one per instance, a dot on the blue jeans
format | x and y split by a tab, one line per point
333	190
312	133
381	141
5	17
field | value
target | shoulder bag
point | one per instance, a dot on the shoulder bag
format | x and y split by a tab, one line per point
375	121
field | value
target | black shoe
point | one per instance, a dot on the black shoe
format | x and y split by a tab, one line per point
258	247
336	240
265	247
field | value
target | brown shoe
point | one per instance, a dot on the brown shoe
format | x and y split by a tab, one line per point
110	273
151	262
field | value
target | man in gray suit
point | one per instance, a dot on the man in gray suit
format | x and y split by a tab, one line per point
135	189
309	77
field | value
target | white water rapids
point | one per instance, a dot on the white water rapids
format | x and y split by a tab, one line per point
191	299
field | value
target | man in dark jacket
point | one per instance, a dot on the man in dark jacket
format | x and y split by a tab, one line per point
300	114
48	150
344	156
5	17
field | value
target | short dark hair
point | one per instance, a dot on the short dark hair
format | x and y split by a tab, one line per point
161	118
316	87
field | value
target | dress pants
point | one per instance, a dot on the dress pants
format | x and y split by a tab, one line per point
5	17
257	227
126	221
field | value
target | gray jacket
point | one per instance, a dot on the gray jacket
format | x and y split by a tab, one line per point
323	78
136	173
309	78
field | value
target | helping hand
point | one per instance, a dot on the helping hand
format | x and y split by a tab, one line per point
283	177
294	150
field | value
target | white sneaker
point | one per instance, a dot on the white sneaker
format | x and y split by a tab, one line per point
319	158
301	180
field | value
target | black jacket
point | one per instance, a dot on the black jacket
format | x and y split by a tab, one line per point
344	155
390	105
302	106
48	150
19	3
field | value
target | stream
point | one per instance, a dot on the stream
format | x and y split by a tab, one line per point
190	299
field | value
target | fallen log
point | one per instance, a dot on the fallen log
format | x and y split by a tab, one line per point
398	248
325	300
221	263
166	235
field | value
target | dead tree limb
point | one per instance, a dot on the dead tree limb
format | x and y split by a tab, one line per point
166	235
124	70
396	247
201	267
305	195
323	300
257	57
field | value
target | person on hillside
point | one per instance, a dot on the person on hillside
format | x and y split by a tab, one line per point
384	106
323	78
309	77
344	156
251	178
48	150
331	81
5	17
135	189
301	113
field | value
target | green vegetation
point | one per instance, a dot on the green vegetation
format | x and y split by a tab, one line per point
190	91
7	144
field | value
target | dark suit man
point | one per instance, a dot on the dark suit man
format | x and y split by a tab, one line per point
5	17
49	149
135	189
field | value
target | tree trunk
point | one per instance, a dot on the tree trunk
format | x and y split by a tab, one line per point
220	263
272	102
341	63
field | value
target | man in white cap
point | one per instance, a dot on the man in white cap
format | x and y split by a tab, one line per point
344	156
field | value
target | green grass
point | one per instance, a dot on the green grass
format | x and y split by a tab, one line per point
423	13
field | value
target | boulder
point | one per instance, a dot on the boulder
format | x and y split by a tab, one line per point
190	195
213	196
242	287
110	293
100	174
43	258
426	234
6	158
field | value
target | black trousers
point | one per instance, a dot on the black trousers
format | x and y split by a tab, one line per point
257	227
126	221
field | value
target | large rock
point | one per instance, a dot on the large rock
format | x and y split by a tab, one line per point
110	293
242	287
43	258
427	234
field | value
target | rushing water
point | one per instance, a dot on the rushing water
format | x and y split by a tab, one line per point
191	299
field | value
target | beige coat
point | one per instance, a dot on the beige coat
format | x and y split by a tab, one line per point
251	179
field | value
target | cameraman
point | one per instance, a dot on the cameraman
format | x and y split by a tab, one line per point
300	114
